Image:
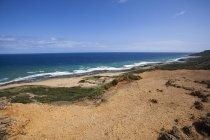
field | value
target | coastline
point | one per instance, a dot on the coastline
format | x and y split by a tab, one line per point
147	102
34	79
42	75
65	82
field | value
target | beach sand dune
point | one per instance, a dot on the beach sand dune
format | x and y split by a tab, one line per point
134	110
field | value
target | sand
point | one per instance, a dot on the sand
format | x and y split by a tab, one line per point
125	113
67	82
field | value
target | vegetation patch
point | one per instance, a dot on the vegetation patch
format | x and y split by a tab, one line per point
204	82
124	77
82	81
59	94
198	105
128	77
21	99
202	61
7	94
154	101
172	84
173	134
202	125
45	94
187	130
203	97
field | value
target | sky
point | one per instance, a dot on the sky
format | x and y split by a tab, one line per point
57	26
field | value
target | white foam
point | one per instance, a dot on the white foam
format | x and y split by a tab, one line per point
79	71
139	64
3	79
32	72
31	77
102	68
178	59
54	74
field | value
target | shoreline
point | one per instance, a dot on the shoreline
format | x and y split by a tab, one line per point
147	65
76	78
64	82
97	72
129	68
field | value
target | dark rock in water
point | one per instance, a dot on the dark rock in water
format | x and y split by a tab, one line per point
202	125
198	105
187	130
173	134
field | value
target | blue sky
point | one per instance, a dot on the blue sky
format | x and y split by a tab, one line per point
49	26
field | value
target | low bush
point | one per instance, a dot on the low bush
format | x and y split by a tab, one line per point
21	99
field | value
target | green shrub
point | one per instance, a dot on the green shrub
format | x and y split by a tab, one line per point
82	81
128	77
114	82
21	99
7	94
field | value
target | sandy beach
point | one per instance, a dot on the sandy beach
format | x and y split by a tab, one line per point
68	82
139	109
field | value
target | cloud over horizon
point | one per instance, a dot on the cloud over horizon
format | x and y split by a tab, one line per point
180	13
11	44
37	45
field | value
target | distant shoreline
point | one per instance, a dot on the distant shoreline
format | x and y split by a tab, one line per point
143	67
138	66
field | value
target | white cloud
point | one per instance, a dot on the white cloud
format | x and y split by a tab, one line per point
53	38
45	45
180	13
6	38
34	45
122	1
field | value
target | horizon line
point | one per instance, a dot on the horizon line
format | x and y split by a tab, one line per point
102	52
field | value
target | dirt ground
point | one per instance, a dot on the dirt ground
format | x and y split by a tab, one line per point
125	112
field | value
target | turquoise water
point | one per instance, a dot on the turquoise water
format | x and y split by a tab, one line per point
21	67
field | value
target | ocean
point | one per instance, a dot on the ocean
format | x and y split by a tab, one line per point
29	67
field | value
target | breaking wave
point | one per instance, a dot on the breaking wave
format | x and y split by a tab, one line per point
40	74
